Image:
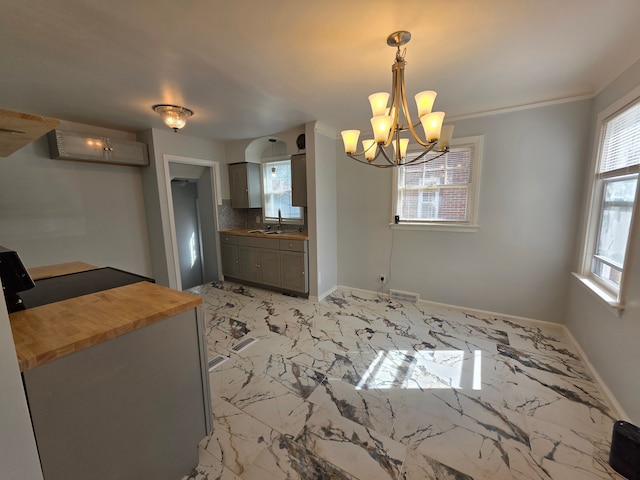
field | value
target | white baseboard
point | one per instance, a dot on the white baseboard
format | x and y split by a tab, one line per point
456	307
613	403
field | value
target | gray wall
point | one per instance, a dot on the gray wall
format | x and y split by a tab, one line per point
519	261
611	343
54	211
166	142
322	209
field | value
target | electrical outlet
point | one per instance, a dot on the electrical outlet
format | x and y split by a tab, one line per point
383	278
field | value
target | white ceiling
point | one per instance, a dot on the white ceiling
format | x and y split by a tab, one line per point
250	68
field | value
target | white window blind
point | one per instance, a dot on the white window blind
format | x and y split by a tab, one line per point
441	191
621	141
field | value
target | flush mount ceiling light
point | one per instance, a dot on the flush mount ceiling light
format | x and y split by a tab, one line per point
174	116
388	127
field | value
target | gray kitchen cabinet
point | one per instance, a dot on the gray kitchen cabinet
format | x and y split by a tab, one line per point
299	180
229	256
294	275
245	185
259	260
272	262
293	265
248	259
259	265
64	145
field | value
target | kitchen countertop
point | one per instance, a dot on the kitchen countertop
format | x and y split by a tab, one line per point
45	333
244	232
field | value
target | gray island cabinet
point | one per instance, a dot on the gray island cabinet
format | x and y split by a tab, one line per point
128	396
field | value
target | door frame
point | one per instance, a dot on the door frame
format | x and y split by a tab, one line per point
173	261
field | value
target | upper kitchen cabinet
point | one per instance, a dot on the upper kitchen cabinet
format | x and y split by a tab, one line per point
244	183
299	180
19	129
65	145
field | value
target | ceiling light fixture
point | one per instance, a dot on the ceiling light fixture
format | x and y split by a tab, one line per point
387	125
174	116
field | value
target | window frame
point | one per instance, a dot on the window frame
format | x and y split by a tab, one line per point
263	172
612	297
473	195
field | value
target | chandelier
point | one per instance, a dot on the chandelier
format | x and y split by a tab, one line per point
173	116
388	127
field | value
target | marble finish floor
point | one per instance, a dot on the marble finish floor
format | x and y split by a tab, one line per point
357	387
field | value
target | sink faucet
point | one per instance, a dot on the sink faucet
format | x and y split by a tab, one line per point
279	220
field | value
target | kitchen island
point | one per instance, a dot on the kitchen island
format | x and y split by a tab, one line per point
116	381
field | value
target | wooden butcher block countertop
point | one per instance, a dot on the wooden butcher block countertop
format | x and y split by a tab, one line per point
248	232
45	333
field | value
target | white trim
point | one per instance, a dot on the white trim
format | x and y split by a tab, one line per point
171	251
613	402
518	108
608	300
473	195
456	307
435	227
590	221
324	295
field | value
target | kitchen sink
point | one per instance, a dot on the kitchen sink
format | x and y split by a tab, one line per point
267	232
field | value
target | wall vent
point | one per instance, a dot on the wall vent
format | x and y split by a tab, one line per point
400	296
217	361
244	343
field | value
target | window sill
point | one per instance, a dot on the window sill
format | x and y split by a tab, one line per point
435	227
612	304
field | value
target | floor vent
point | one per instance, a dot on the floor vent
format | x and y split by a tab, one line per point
401	296
244	344
217	361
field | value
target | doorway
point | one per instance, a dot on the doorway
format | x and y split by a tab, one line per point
202	178
186	214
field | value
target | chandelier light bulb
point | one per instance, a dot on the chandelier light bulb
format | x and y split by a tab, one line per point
370	147
432	124
350	139
424	102
381	125
378	102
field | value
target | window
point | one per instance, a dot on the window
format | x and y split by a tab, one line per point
614	193
441	192
276	193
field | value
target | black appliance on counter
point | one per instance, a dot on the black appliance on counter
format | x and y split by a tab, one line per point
15	278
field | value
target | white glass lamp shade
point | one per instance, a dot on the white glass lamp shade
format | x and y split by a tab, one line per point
370	148
424	102
378	102
381	126
404	142
173	116
432	124
350	140
446	134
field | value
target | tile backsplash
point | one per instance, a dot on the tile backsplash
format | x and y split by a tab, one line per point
232	218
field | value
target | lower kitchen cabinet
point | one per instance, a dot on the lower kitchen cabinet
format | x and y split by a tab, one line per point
277	263
294	271
259	265
230	260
